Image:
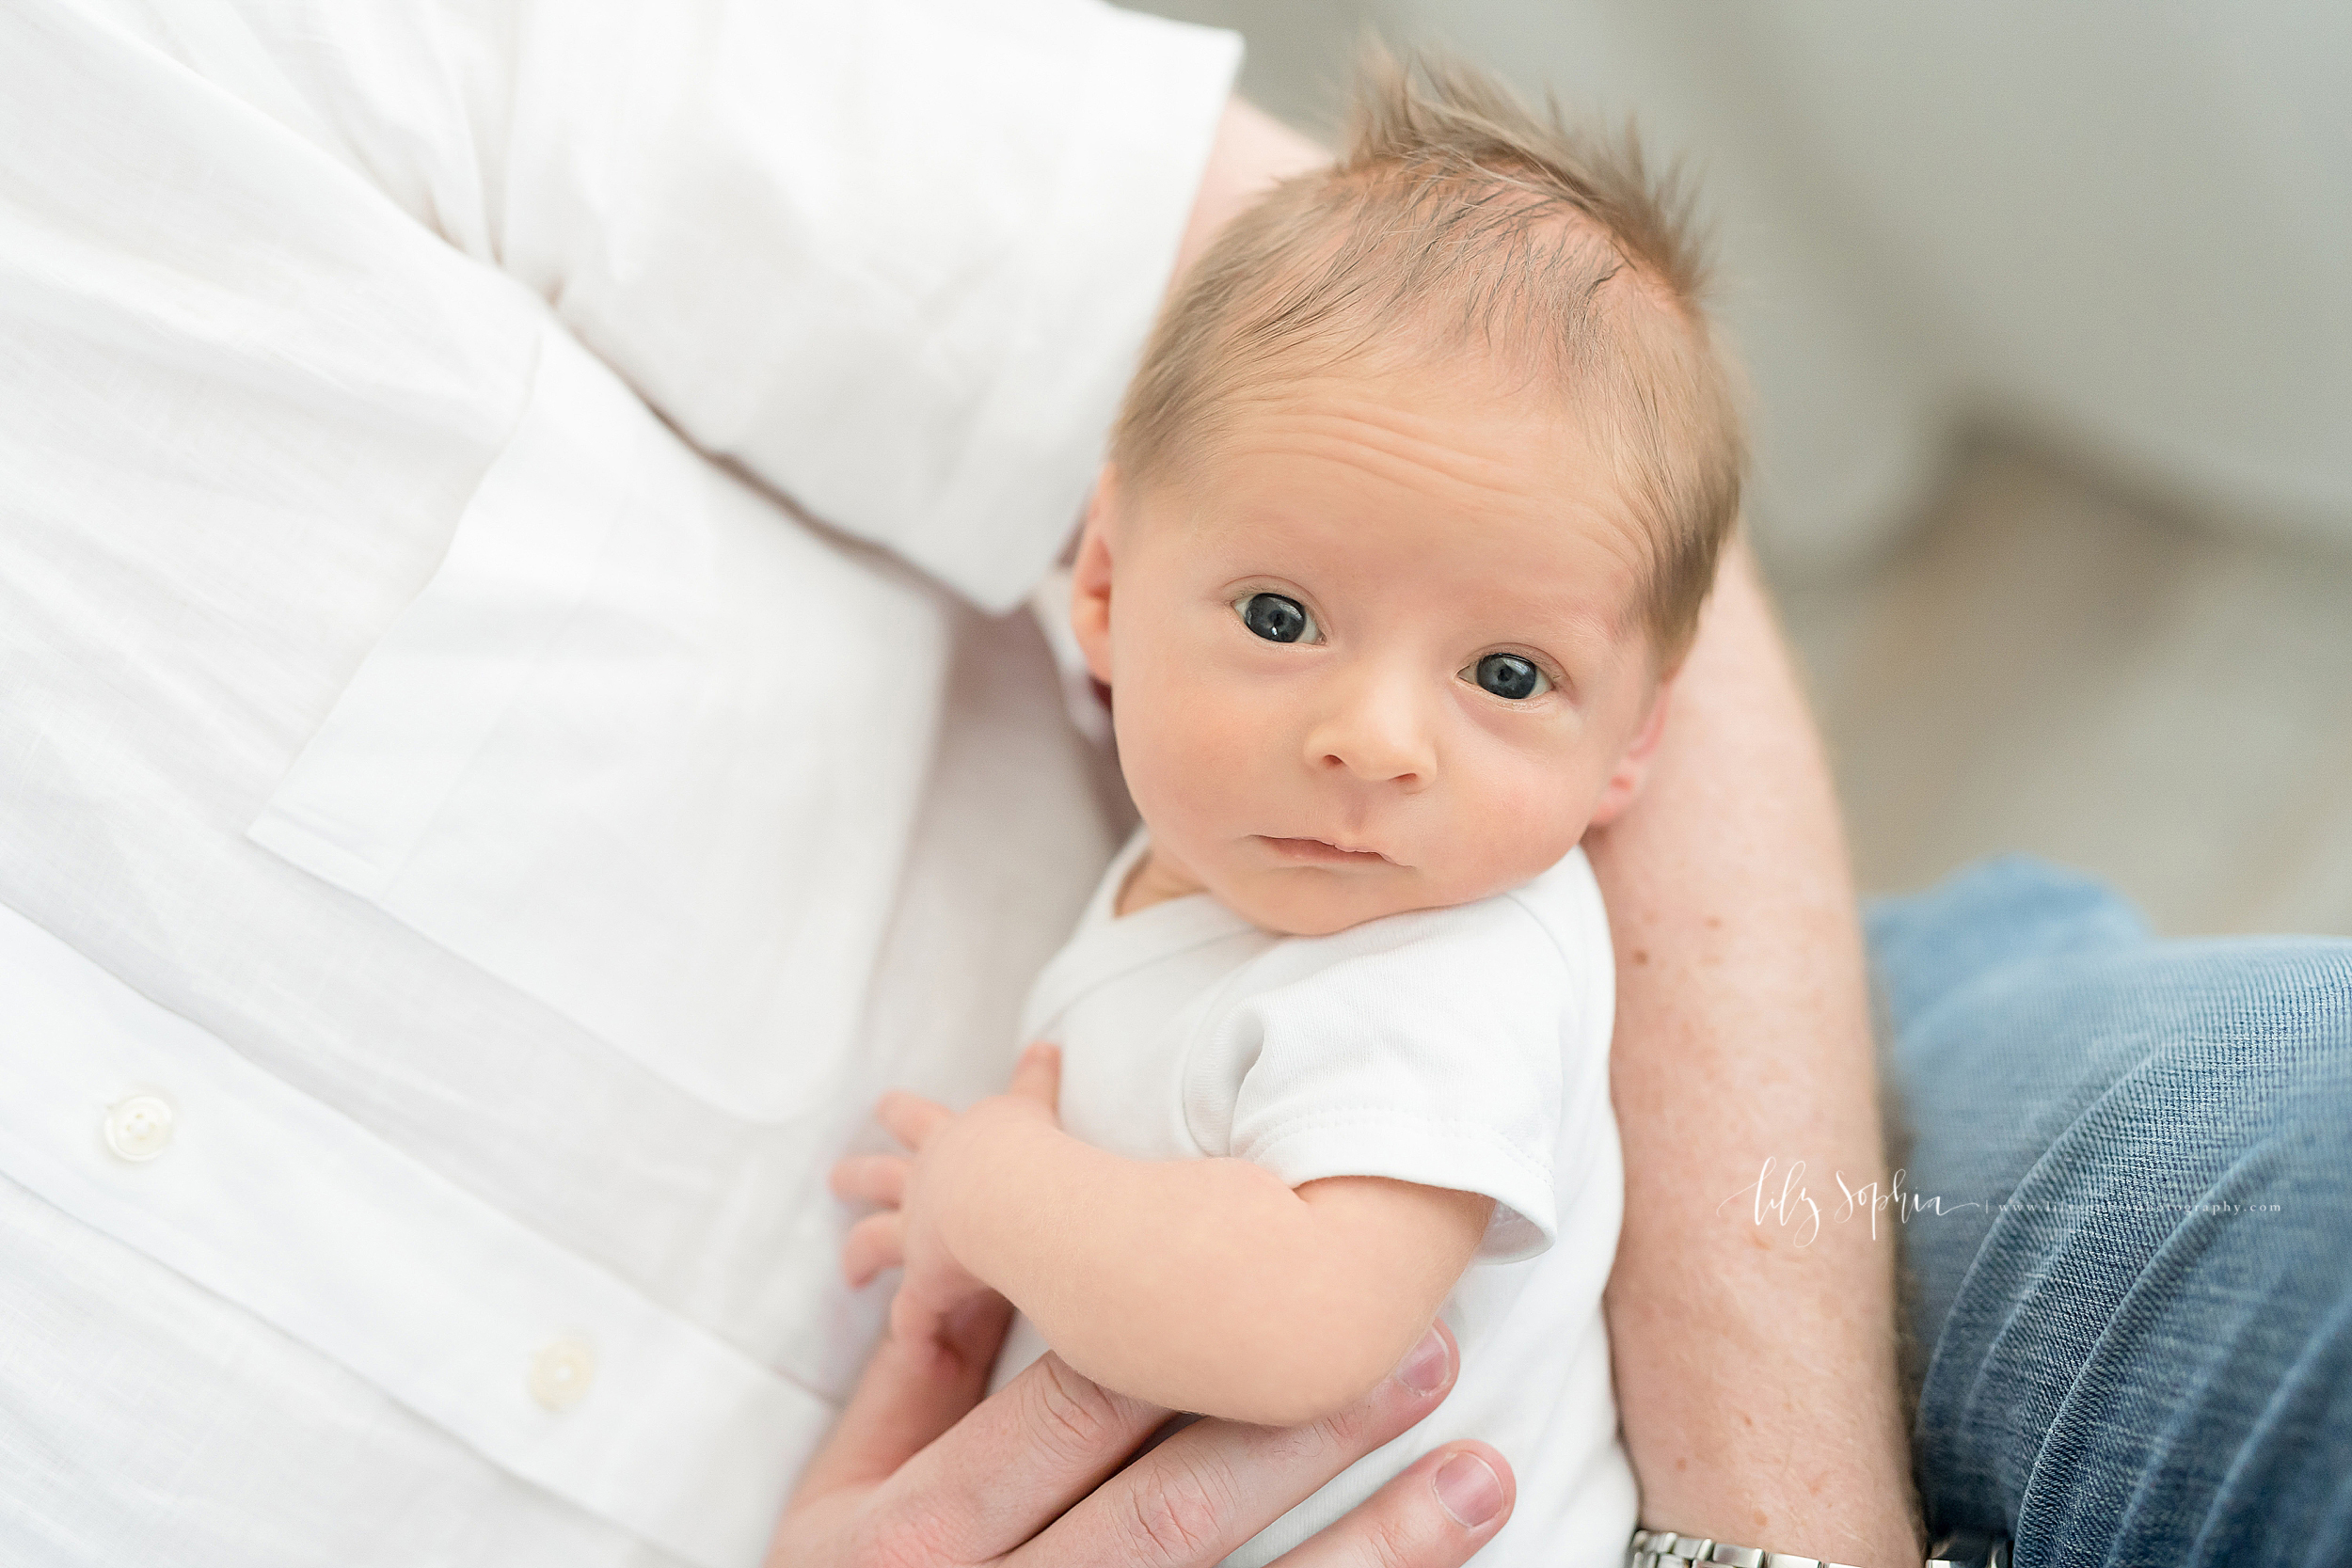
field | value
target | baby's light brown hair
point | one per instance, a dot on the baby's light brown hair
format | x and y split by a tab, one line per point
1459	221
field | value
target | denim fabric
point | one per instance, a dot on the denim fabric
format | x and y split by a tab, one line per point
2137	1348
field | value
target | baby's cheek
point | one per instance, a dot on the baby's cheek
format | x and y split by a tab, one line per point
1185	756
1532	816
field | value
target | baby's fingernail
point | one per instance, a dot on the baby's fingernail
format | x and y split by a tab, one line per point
1425	1370
1468	1489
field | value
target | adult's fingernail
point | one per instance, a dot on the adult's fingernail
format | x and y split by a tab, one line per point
1425	1370
1468	1489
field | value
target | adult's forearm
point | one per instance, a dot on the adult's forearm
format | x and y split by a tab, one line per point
1755	1361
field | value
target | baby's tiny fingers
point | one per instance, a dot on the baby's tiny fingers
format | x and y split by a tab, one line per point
910	1117
871	1179
1038	1076
920	1329
876	1243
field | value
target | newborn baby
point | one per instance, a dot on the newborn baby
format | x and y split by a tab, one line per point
1407	522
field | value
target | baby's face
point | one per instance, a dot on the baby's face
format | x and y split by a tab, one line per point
1383	653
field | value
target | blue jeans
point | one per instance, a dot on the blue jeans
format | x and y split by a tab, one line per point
2137	1349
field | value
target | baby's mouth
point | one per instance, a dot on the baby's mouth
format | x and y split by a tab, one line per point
1316	851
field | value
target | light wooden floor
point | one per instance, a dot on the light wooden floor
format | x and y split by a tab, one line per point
2047	667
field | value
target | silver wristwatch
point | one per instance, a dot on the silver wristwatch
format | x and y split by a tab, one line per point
1663	1548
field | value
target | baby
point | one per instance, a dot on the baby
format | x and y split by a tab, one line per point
1407	522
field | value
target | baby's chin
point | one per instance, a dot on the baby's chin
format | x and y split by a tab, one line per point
1311	901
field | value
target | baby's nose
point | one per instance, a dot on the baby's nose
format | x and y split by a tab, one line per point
1379	734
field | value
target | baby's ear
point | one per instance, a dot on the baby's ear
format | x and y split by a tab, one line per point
1090	577
1624	780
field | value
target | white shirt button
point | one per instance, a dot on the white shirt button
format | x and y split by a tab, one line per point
561	1371
139	1128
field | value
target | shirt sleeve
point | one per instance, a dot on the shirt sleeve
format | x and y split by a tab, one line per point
895	258
1423	1048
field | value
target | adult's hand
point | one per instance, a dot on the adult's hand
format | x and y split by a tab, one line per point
920	1474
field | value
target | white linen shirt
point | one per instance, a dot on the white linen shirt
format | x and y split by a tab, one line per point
471	848
1465	1047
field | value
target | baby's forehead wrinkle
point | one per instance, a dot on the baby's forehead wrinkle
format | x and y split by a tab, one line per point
1365	430
1347	428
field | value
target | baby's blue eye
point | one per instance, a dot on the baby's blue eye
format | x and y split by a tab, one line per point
1509	675
1278	618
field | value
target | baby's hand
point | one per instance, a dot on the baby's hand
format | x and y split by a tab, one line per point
914	1230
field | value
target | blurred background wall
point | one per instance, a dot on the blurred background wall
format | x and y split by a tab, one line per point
2048	311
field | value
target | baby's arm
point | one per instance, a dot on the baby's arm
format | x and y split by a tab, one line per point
1200	1285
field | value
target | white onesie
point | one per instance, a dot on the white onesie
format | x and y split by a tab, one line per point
1464	1048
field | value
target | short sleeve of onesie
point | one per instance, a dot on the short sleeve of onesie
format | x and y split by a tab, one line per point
1423	1048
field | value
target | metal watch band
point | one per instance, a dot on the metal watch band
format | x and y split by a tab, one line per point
1663	1548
